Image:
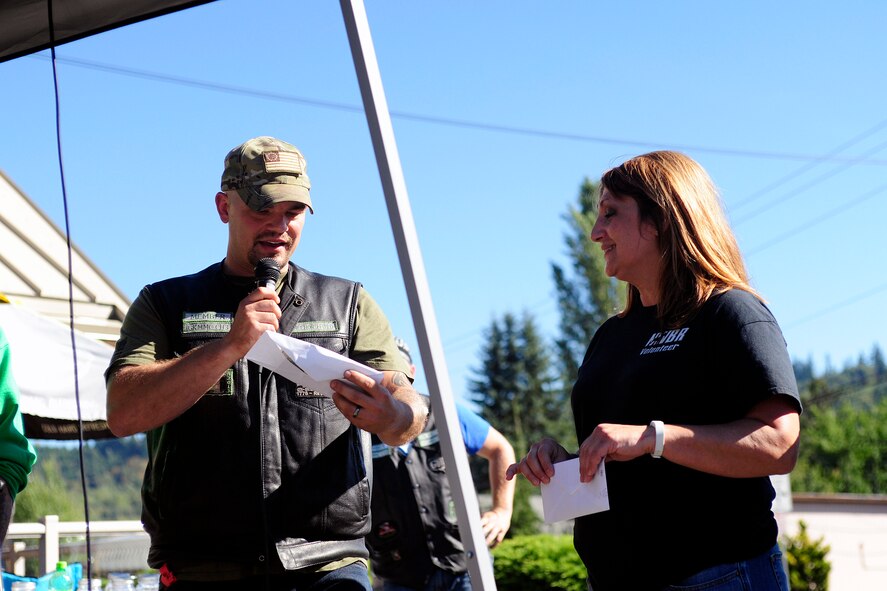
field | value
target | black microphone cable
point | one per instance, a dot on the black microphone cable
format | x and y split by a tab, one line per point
58	135
267	274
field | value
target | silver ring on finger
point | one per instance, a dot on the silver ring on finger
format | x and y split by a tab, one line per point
357	410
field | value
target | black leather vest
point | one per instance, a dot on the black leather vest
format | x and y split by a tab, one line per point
257	463
414	515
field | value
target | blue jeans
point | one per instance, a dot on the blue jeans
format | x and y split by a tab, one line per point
762	573
353	577
440	580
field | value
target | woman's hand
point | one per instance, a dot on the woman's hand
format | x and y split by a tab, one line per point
538	465
613	442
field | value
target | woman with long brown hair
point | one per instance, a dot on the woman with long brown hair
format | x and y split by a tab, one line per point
688	394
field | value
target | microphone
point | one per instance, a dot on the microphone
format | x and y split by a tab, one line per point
267	273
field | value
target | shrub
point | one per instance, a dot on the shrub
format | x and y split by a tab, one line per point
539	562
524	520
807	567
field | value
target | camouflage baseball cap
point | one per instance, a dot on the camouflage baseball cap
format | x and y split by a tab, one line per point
265	171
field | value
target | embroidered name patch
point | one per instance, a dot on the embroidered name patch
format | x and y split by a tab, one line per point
206	322
225	386
315	326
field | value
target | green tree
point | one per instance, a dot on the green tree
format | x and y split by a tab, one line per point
514	388
513	385
48	493
878	366
879	375
843	449
524	519
586	296
113	468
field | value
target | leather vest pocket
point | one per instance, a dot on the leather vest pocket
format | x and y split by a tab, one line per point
325	482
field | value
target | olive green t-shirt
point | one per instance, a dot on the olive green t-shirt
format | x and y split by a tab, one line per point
143	339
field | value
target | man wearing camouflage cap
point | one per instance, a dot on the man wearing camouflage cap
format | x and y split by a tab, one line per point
253	481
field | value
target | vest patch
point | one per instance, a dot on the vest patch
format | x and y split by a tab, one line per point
302	391
206	322
386	529
225	385
315	326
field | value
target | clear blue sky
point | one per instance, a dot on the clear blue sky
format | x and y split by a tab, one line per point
500	110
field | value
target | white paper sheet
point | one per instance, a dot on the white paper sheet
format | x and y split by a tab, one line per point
304	363
564	497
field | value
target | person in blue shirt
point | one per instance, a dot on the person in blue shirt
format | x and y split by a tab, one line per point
414	541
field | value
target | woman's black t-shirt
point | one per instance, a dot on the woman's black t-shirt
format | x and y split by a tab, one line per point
665	521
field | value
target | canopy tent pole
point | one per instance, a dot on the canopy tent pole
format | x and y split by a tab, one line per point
418	293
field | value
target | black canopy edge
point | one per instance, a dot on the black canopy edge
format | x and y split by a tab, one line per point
101	29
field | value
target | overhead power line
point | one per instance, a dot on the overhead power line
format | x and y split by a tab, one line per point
810	184
804	168
462	340
846	392
817	220
834	307
817	158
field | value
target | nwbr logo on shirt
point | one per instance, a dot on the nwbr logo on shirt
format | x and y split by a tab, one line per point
664	341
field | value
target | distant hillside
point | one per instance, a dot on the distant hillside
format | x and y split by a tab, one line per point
114	470
861	384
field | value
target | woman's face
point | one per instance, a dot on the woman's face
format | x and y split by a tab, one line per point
630	245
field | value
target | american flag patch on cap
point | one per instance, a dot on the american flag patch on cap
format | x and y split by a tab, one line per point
284	162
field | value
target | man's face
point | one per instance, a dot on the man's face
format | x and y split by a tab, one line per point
254	235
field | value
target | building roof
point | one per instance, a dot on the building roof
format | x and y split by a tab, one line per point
34	270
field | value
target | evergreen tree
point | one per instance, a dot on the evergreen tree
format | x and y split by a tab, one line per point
513	386
879	375
878	366
586	296
803	372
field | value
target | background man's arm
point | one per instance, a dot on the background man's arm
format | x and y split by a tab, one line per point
500	454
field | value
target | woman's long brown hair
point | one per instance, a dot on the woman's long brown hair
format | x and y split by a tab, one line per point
699	250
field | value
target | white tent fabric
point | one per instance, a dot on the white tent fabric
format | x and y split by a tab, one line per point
43	367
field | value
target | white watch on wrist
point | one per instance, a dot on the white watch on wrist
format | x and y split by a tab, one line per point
659	429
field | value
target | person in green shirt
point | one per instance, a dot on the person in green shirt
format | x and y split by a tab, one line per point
17	455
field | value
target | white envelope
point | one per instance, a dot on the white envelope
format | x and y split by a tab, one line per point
564	497
304	363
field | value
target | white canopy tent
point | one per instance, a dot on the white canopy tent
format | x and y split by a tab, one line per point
43	367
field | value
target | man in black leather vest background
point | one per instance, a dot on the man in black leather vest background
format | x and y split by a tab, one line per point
414	541
254	482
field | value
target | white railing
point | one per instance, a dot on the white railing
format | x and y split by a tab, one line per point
50	530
